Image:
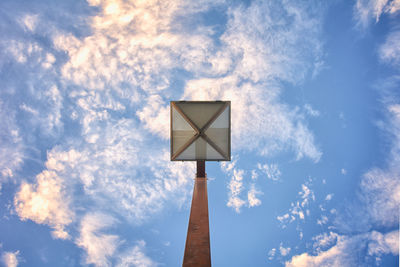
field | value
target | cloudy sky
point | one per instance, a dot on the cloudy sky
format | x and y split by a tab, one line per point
85	175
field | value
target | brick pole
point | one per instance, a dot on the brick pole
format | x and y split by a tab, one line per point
197	249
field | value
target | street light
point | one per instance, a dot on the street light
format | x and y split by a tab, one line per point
200	131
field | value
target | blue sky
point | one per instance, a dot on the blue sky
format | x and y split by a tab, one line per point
85	175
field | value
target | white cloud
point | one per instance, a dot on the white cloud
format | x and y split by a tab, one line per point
103	249
329	197
136	256
30	21
271	170
147	56
340	254
261	54
124	166
367	10
324	241
306	194
116	84
389	52
135	64
377	207
284	218
384	243
393	7
99	246
271	253
31	54
260	122
252	196
45	203
284	251
340	250
299	208
381	191
380	199
323	220
113	78
237	186
156	117
47	118
254	175
11	149
10	259
40	108
310	111
381	187
149	52
266	52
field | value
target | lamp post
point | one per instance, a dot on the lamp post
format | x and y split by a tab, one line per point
200	131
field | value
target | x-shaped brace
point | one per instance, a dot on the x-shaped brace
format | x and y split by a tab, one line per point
199	132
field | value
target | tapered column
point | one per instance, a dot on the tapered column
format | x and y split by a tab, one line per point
197	249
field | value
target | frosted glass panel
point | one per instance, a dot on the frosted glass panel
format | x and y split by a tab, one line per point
220	137
200	113
188	154
218	131
223	120
200	149
181	131
179	123
213	154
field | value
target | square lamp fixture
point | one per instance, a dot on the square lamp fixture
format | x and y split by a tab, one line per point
201	130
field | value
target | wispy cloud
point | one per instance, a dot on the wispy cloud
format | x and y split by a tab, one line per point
235	186
147	57
369	10
11	149
238	184
270	170
136	256
141	187
252	196
329	197
102	96
381	187
259	55
29	21
346	249
109	76
310	111
271	253
323	220
10	259
45	203
324	241
389	52
376	206
99	246
284	251
106	249
300	208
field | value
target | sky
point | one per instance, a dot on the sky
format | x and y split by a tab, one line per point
85	171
